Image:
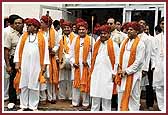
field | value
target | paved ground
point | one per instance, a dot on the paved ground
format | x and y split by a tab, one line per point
66	106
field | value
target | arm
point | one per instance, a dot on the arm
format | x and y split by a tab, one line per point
7	47
55	49
71	52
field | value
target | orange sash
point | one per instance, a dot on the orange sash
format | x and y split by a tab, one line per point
41	45
111	54
129	81
83	82
53	66
64	45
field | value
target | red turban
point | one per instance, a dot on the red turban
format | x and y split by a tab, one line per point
78	20
34	22
83	24
96	28
66	23
133	25
47	19
26	20
105	28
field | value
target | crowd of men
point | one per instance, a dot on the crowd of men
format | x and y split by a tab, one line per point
46	61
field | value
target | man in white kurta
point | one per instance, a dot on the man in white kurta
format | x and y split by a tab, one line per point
65	82
102	76
46	26
76	94
135	69
160	68
147	41
30	68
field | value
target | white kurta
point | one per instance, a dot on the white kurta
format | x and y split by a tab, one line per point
159	72
101	78
135	68
72	54
65	74
30	66
76	94
147	42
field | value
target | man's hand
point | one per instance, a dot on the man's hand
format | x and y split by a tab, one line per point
124	73
76	65
43	68
8	69
17	66
85	64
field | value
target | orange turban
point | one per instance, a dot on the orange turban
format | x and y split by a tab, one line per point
47	19
96	28
105	28
133	25
34	22
78	20
66	23
83	24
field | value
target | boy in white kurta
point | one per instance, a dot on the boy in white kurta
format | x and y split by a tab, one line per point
104	61
30	65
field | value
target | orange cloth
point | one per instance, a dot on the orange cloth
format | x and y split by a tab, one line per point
64	46
53	66
83	82
16	82
129	81
111	54
41	45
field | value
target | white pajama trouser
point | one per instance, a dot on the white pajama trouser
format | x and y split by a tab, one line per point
76	94
6	88
106	104
43	95
134	100
29	98
65	89
160	97
51	91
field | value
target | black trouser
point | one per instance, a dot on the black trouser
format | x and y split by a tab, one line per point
149	88
114	101
12	91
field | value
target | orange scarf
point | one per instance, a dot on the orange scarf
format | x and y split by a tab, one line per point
111	54
129	81
83	82
64	45
53	66
41	45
